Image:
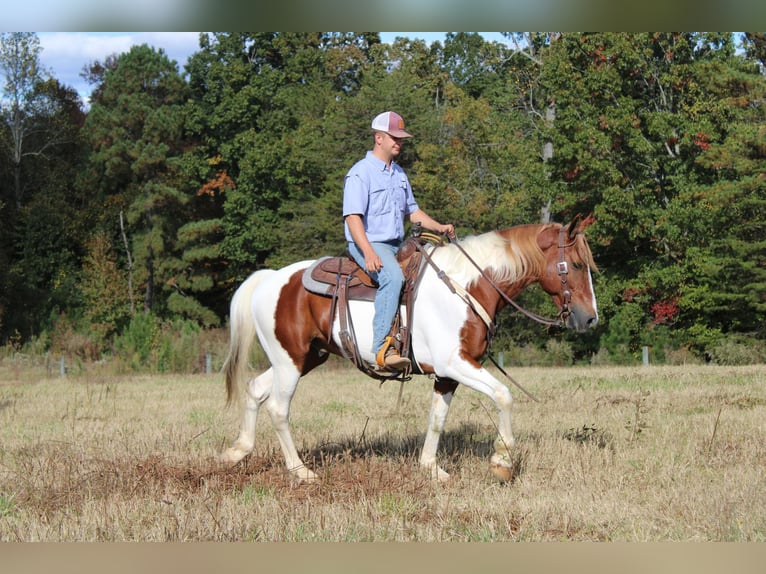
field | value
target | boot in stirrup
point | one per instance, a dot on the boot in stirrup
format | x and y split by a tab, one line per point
389	358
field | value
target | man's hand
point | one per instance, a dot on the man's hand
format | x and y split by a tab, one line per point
448	229
428	222
372	263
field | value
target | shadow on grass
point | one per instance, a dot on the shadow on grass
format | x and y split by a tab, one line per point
457	448
466	441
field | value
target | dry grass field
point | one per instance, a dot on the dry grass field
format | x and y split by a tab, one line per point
607	454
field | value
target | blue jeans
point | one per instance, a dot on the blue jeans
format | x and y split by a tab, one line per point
390	280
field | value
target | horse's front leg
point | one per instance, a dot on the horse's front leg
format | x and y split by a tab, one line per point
501	462
278	407
474	376
444	390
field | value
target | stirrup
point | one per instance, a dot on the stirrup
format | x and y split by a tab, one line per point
389	358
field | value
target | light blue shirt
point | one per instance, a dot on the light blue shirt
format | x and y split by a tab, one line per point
382	196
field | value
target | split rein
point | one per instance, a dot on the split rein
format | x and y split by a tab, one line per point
561	267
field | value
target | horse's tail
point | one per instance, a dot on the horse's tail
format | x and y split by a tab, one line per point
242	334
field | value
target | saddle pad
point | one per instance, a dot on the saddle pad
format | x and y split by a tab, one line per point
311	284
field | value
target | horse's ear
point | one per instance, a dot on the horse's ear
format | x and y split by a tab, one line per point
579	224
586	222
574	226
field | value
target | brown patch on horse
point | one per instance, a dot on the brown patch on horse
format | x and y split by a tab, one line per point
473	340
445	386
473	335
301	319
579	254
526	264
425	368
576	235
583	253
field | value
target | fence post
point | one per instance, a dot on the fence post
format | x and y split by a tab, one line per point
208	363
62	367
500	360
646	355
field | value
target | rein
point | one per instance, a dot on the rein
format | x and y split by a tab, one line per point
566	295
563	270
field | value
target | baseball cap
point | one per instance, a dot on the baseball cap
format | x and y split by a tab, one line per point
391	123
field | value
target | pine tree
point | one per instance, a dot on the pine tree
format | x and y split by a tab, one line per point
135	129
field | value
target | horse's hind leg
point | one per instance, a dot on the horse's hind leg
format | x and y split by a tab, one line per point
444	390
278	407
257	391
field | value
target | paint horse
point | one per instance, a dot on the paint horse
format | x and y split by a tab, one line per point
460	292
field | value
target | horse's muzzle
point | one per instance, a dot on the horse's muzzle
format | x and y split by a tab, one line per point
581	319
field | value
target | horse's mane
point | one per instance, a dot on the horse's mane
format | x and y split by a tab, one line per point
508	255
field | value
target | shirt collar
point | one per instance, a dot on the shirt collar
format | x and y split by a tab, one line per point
379	163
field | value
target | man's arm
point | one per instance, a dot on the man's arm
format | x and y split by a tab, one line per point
428	222
356	227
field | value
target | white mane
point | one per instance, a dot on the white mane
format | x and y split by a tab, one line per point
502	256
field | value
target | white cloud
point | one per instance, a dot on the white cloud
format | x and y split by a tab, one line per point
63	48
66	53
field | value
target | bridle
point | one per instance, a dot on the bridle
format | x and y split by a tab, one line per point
562	267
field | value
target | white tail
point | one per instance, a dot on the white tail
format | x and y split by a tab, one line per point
242	335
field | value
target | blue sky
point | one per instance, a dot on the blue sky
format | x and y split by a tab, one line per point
66	53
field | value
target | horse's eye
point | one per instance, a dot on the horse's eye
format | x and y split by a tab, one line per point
577	265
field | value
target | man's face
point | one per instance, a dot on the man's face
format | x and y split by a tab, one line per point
390	144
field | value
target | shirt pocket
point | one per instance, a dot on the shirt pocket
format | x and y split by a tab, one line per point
380	202
401	188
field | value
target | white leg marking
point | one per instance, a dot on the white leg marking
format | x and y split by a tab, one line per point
258	390
481	380
437	418
278	407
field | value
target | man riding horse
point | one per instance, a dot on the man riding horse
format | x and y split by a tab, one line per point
377	197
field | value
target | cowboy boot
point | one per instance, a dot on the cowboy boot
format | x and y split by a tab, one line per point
388	357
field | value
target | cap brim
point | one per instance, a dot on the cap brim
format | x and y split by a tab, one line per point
399	134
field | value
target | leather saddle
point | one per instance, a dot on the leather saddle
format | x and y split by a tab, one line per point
327	274
342	280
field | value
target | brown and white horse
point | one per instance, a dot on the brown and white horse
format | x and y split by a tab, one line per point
448	334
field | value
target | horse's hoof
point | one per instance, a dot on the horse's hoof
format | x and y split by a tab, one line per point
304	475
440	475
501	469
232	456
502	473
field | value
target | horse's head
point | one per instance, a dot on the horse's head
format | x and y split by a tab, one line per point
567	273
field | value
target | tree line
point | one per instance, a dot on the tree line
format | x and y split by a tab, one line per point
167	190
